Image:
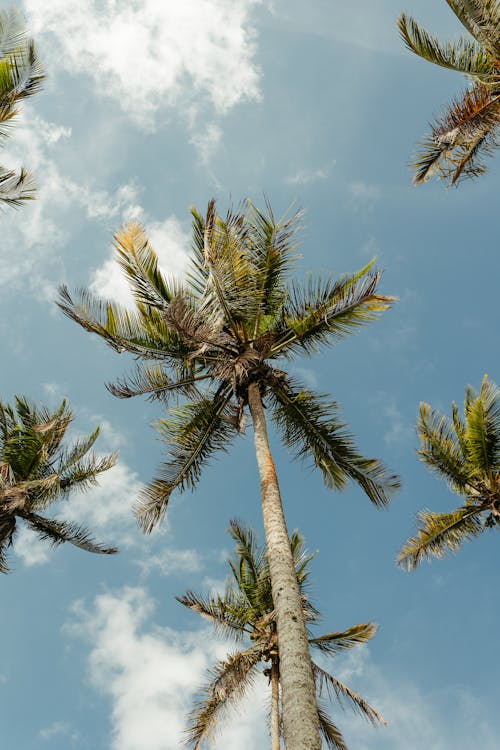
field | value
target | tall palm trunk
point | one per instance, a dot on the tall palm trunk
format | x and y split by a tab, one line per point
300	714
275	704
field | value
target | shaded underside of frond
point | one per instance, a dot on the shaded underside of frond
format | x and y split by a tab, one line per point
7	531
344	695
310	426
481	18
230	680
194	432
222	613
329	731
440	533
155	383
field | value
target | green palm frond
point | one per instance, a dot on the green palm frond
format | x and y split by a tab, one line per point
342	693
57	532
322	312
439	533
140	264
334	643
194	431
464	56
15	188
483	430
441	450
330	732
310	426
229	682
481	18
225	614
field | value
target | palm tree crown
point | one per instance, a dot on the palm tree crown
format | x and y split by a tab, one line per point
465	451
36	469
207	339
468	130
21	76
246	613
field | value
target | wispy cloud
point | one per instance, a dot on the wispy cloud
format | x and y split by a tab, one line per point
309	175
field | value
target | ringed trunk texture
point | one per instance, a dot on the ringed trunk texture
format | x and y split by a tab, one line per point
298	695
275	704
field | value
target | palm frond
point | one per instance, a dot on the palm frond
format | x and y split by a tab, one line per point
439	533
195	431
334	643
57	532
441	450
310	426
154	382
464	56
139	263
321	312
221	613
337	689
483	430
481	18
15	188
7	531
330	732
229	681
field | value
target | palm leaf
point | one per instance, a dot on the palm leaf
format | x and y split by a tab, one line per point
439	533
223	613
342	693
441	450
326	311
483	430
15	188
230	680
481	18
154	382
58	532
464	55
331	734
310	425
195	432
334	643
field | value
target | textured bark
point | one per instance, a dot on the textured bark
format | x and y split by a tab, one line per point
298	695
275	704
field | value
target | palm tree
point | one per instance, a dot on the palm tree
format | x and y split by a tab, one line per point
469	128
214	341
465	451
36	469
21	76
246	613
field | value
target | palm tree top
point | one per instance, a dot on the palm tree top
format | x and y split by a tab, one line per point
465	452
230	323
468	130
37	468
245	612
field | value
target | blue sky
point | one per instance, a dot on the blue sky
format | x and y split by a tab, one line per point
150	107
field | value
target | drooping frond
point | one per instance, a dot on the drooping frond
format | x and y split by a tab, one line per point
336	689
464	56
140	332
230	680
322	312
483	430
334	643
194	432
7	531
57	532
154	382
310	426
330	732
439	533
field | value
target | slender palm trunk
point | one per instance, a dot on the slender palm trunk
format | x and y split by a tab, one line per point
275	704
298	698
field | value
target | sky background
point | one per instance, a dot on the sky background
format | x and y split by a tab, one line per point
151	107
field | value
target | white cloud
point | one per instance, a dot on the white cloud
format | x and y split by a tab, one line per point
171	244
169	561
59	728
150	54
150	674
31	549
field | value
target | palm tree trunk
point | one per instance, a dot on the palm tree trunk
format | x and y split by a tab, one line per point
298	695
275	704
